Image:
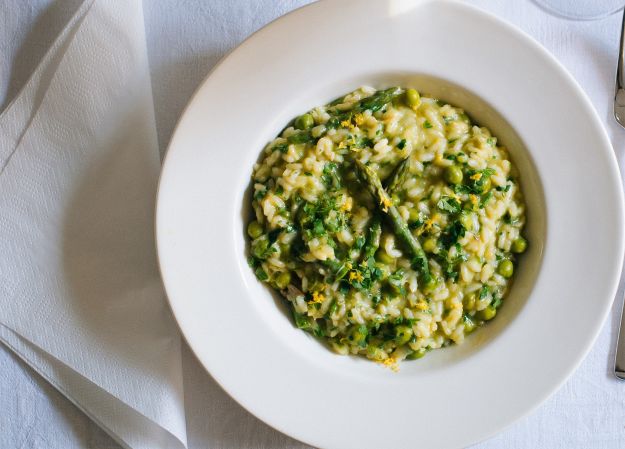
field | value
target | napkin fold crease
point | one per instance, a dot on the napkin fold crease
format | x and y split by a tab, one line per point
81	300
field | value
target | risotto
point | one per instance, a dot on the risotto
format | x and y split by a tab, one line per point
389	221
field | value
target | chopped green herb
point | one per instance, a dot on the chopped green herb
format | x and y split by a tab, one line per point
260	194
396	281
448	204
331	177
262	248
508	219
452	234
281	147
427	124
300	137
401	144
485	199
260	274
359	243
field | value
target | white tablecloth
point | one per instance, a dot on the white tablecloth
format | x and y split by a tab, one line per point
185	39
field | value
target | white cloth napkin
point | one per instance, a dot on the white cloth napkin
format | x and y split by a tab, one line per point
80	294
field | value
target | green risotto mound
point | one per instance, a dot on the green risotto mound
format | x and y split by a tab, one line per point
389	221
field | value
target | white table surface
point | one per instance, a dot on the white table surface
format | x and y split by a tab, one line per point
185	39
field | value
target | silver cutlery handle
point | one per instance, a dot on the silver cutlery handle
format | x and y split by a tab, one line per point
619	95
619	114
619	365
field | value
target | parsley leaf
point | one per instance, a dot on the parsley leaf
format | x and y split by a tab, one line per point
427	124
485	199
452	234
448	204
396	281
331	177
281	147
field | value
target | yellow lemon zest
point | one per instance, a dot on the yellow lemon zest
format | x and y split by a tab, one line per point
347	205
317	298
347	124
355	276
476	177
427	225
422	305
473	198
386	202
342	144
359	119
391	362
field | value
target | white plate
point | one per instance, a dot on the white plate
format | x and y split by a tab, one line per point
455	396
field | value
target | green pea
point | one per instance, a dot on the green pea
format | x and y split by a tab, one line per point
260	247
519	245
416	354
254	229
403	334
453	174
413	98
466	220
469	325
505	268
482	185
383	257
487	314
304	121
283	279
469	301
430	245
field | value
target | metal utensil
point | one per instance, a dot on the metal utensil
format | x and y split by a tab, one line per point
619	114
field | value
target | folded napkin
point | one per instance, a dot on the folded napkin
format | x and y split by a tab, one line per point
80	295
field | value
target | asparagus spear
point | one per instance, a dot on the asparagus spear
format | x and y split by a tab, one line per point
337	268
378	100
372	103
399	176
373	239
400	227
